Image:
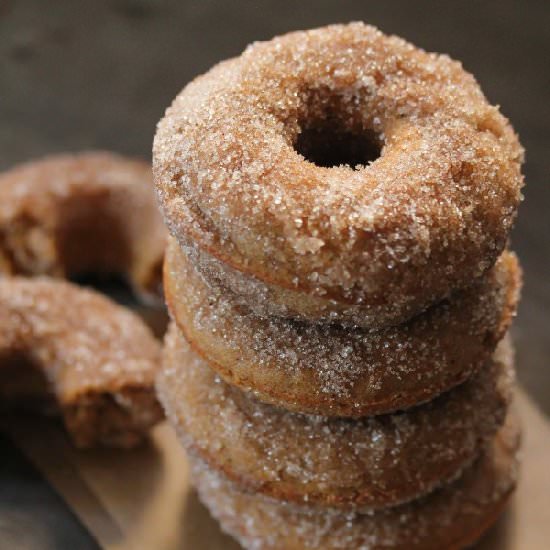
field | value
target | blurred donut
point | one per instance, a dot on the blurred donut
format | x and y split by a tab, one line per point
371	462
334	371
90	212
343	164
452	517
72	349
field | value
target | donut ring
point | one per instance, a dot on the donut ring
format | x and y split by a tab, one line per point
90	212
372	462
427	216
332	371
450	518
75	350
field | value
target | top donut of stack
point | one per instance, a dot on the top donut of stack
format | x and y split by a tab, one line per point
339	175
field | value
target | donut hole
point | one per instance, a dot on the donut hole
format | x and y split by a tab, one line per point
113	285
328	147
94	246
91	237
333	131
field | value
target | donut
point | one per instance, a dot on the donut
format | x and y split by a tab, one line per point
73	214
343	165
450	518
335	371
368	463
74	352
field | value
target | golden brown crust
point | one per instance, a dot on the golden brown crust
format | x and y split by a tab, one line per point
429	215
366	463
334	371
97	360
89	212
451	518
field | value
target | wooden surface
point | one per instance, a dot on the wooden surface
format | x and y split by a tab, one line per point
142	500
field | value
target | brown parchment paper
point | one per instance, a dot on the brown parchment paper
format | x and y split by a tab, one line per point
142	499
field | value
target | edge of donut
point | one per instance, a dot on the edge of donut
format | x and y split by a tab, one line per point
319	404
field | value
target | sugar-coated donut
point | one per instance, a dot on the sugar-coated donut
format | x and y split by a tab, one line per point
451	518
72	349
334	371
343	164
368	463
90	212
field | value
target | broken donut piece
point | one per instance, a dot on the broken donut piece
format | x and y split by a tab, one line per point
72	349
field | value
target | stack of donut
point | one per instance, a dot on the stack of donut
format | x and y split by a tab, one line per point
339	204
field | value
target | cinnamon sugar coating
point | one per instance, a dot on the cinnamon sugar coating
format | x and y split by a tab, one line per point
394	234
367	463
269	300
95	360
90	212
452	517
335	371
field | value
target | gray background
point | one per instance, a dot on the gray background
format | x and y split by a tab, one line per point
98	74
